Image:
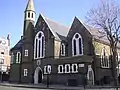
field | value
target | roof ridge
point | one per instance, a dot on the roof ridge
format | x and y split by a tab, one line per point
56	22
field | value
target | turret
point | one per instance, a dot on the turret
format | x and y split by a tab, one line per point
29	15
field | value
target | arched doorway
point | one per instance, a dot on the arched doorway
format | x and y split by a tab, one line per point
38	75
90	75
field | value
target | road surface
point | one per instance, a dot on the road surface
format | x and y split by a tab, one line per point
18	88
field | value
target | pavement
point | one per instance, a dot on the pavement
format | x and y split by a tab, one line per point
57	87
19	88
43	86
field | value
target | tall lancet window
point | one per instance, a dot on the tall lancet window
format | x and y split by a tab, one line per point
104	59
39	45
77	45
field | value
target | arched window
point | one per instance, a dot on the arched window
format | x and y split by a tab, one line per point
18	58
74	68
45	69
39	45
62	49
77	45
32	15
28	14
67	68
60	69
104	59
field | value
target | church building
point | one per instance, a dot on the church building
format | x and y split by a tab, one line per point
75	55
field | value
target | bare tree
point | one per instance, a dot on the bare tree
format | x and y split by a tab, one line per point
106	17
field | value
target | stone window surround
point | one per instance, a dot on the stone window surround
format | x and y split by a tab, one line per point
103	57
76	66
26	52
63	49
77	46
67	66
60	67
45	69
39	39
18	59
25	72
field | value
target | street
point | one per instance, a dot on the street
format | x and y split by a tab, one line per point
18	88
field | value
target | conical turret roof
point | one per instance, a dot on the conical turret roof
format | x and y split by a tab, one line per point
30	5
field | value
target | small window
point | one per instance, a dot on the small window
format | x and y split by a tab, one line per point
2	52
32	15
18	58
74	68
62	49
60	69
26	52
25	72
28	14
45	69
67	68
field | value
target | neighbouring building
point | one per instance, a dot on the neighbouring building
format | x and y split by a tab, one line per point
4	58
78	54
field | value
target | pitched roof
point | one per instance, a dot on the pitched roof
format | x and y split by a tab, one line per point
18	45
56	28
96	34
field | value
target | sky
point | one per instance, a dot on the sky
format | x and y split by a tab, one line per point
62	11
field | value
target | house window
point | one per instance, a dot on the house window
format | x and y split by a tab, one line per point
18	59
60	69
25	72
74	68
77	45
26	52
2	52
62	49
67	68
39	45
104	59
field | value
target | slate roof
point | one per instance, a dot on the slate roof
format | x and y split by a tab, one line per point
18	45
59	31
96	34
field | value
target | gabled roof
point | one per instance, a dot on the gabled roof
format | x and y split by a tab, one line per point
96	34
18	45
56	28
